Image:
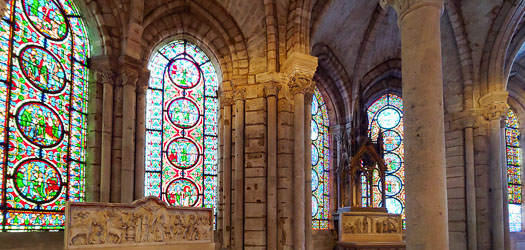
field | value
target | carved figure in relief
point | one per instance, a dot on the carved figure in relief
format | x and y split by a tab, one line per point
191	229
114	227
81	231
158	228
203	227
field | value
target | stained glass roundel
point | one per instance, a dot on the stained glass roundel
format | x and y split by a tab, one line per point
391	140
37	180
315	206
39	124
315	130
47	17
315	181
183	153
394	205
315	155
42	69
184	73
182	192
393	162
388	118
183	112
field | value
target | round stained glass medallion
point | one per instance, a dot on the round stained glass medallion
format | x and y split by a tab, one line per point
182	192
393	162
184	73
48	18
37	180
391	140
315	206
183	153
183	113
42	69
39	124
388	118
315	180
315	130
315	155
394	206
393	185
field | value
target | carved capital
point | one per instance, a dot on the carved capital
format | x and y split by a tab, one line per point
239	93
272	89
105	76
301	83
128	77
403	7
226	98
494	105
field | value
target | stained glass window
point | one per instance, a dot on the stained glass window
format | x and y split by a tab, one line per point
385	115
512	139
320	163
44	55
181	127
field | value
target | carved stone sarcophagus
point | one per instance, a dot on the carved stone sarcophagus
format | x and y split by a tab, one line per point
145	222
370	227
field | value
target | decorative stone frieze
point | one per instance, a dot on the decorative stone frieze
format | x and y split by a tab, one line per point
370	227
147	221
494	105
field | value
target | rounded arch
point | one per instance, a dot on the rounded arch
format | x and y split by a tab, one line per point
298	26
383	79
217	31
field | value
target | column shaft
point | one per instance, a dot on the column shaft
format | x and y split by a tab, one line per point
426	189
496	194
308	171
227	178
107	131
128	143
239	175
272	173
470	190
141	141
299	173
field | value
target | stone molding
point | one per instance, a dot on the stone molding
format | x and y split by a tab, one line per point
494	105
403	7
239	93
300	64
145	222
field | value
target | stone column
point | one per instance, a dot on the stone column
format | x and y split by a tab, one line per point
495	109
239	96
116	144
300	70
129	80
140	145
227	102
425	176
272	86
470	188
308	166
107	78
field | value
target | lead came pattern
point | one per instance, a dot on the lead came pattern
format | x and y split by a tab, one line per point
181	138
43	104
320	163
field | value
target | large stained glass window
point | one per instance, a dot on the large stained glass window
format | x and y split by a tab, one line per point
385	116
320	163
512	139
181	127
44	55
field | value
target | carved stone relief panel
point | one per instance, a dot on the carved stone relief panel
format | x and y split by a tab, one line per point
370	227
148	221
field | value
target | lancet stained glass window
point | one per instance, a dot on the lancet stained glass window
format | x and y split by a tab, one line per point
181	127
385	115
512	139
320	163
44	55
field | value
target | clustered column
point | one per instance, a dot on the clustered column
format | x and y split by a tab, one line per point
107	78
426	189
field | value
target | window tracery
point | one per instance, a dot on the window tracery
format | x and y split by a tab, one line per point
512	137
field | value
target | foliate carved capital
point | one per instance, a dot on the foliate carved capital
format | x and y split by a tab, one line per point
225	98
128	77
301	82
494	105
239	93
402	7
105	76
272	89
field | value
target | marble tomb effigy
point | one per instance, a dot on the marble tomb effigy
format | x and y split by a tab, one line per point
147	223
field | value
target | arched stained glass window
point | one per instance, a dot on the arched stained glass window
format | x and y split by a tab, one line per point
385	115
320	163
512	139
181	127
44	55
